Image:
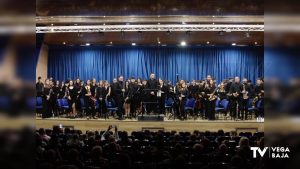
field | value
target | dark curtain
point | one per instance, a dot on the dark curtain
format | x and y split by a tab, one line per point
189	63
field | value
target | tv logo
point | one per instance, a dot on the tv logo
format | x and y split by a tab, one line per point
273	152
257	149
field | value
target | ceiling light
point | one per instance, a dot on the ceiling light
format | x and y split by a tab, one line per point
183	43
158	42
64	43
255	43
233	44
168	32
87	44
133	44
207	42
221	33
247	35
110	42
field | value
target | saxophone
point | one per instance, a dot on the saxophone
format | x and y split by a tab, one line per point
213	96
94	100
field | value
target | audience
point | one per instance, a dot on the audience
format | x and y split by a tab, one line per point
72	149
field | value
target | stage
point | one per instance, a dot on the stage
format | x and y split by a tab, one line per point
167	125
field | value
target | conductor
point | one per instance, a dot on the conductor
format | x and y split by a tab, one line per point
152	86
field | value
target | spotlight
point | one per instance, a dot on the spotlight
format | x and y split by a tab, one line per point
52	24
233	44
133	44
122	33
111	42
183	43
168	32
221	33
247	35
207	42
255	43
64	43
87	44
158	42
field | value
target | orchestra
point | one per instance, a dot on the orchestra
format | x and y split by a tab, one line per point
136	96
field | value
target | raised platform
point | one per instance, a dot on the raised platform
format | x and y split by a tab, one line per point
167	125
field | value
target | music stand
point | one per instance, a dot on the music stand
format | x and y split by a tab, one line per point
149	99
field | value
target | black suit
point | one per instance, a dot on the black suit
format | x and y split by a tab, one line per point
132	96
117	95
101	93
152	86
236	101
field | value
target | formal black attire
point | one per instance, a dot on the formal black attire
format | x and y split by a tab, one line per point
117	95
132	98
39	89
152	86
235	107
101	93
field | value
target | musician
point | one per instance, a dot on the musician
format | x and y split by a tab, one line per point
117	94
132	96
88	101
259	88
221	92
235	95
46	99
72	96
126	101
193	89
39	87
152	86
93	87
182	94
245	98
162	95
210	99
55	96
259	95
102	92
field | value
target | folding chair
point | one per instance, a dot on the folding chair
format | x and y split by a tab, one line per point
189	106
169	102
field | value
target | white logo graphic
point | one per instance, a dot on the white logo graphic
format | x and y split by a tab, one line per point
273	152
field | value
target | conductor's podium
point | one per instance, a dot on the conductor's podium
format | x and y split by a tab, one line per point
151	117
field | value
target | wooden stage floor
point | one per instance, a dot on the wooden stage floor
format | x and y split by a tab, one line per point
167	125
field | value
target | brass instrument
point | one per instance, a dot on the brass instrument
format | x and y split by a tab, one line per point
94	100
213	96
245	92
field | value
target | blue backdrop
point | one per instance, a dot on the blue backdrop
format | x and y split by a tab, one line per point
190	63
